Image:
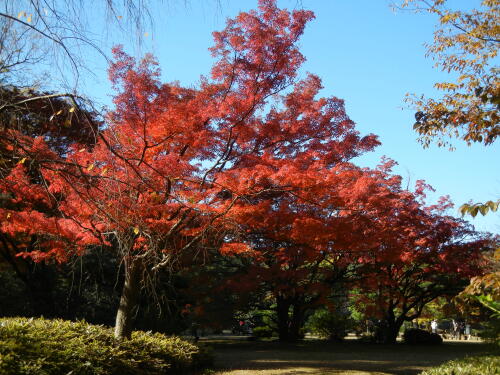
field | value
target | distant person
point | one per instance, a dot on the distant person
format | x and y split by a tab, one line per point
455	328
461	330
467	331
434	326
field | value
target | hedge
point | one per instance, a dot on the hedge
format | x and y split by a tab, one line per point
53	347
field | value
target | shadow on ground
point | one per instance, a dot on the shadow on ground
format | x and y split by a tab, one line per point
315	357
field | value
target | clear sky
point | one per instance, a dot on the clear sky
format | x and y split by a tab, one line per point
366	54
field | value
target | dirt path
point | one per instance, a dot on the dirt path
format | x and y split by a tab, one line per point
350	358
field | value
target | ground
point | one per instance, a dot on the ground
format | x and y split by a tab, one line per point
313	357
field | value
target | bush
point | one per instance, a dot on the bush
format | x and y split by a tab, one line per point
46	347
420	336
367	338
330	325
483	365
262	332
491	331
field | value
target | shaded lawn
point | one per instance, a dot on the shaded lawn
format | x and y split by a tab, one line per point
349	358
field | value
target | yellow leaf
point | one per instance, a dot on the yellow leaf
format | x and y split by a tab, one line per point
72	109
146	34
81	150
21	14
8	215
29	19
90	167
104	171
59	112
136	230
22	161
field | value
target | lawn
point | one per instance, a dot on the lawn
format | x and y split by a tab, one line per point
349	358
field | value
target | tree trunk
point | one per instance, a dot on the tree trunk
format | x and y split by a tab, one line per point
282	307
390	331
297	323
129	299
391	334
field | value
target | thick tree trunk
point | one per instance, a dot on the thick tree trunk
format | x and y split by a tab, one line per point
297	323
390	330
282	308
129	299
390	335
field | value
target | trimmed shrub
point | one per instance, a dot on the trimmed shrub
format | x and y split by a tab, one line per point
330	325
480	365
46	347
262	332
422	337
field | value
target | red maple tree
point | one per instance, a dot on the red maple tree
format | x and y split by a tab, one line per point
305	242
421	254
30	213
251	160
171	161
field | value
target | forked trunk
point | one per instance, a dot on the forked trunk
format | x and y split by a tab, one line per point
129	299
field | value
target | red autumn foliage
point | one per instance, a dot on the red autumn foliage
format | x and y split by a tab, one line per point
172	161
422	254
250	161
354	224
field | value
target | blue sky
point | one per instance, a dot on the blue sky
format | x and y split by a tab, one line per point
366	54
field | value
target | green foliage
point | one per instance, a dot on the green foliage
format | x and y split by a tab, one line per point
13	294
485	289
416	336
481	365
488	301
330	325
85	288
491	331
262	332
46	347
262	317
367	338
358	317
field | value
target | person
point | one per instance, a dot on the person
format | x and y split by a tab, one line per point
455	329
434	326
467	331
379	331
461	330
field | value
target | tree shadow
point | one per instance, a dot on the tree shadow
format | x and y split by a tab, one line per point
316	357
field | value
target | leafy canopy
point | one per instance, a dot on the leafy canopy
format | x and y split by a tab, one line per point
466	46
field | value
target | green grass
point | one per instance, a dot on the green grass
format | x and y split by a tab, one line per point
481	365
349	358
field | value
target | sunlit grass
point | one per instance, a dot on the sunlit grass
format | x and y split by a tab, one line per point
349	358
